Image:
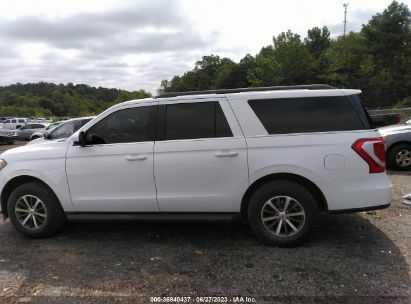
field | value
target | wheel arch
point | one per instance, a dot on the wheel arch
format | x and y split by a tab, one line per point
13	184
303	181
402	142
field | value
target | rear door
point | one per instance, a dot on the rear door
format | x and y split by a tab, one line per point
200	157
26	130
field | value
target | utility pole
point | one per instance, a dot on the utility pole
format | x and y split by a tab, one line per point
345	17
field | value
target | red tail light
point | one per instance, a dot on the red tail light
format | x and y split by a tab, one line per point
398	118
372	150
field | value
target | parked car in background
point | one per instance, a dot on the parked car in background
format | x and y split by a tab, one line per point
397	140
38	120
2	119
14	123
8	136
64	130
40	133
381	120
26	131
276	157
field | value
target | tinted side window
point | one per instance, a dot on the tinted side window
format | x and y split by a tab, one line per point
124	126
21	120
308	114
195	120
222	128
358	105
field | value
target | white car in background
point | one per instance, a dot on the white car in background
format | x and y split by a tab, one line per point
14	123
7	136
275	157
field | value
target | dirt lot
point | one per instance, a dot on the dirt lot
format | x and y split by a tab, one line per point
349	259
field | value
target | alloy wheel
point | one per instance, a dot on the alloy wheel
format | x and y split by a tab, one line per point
403	158
283	216
31	212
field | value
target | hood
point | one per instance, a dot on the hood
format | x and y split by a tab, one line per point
42	140
394	129
37	141
44	150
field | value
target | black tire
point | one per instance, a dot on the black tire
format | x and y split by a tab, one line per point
394	157
34	137
301	199
54	219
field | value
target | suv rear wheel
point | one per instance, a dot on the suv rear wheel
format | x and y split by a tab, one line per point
34	210
282	213
399	157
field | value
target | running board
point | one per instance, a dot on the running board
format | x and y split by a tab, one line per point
154	216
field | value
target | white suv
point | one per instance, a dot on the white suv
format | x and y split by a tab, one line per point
275	157
14	123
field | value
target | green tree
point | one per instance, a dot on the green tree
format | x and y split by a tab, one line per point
48	99
317	41
296	62
388	38
267	71
342	60
388	34
235	75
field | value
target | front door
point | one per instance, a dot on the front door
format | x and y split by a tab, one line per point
114	171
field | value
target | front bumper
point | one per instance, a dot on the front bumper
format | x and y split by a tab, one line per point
4	138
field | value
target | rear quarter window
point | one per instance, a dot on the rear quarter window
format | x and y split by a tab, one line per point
307	114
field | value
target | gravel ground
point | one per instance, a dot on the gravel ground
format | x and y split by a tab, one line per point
348	259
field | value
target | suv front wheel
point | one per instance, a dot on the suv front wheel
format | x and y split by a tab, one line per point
282	213
35	211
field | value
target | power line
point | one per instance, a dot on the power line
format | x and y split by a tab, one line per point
345	17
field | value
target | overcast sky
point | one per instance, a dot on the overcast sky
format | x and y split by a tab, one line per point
135	44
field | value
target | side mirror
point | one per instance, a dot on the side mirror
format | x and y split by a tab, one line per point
82	138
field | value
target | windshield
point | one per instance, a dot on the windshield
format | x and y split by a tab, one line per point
67	128
52	126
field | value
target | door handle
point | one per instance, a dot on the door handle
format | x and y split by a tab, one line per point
136	157
226	154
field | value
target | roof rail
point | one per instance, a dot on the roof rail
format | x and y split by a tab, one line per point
255	89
